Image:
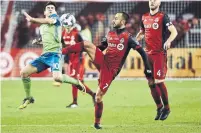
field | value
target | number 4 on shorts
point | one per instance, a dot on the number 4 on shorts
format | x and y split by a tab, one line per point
159	73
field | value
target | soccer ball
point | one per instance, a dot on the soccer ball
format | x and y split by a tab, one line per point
68	20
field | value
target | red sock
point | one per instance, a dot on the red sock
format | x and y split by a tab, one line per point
164	94
98	112
89	91
75	93
77	48
156	94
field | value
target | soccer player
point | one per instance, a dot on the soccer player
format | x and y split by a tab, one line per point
71	36
155	26
50	30
118	43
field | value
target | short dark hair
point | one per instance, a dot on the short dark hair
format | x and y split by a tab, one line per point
125	16
51	3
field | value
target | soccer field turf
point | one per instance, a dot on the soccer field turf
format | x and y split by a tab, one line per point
128	108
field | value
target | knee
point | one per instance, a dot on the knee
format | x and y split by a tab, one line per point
98	98
23	74
57	78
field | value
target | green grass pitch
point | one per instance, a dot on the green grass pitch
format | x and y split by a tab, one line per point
128	108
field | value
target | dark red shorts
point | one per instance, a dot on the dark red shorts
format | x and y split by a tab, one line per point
106	76
158	63
77	69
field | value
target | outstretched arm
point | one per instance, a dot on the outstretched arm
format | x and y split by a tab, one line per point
133	43
40	20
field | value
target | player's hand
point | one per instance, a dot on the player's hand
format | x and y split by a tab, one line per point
167	45
148	73
28	17
34	42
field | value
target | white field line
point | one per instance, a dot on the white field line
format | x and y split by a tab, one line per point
92	79
111	126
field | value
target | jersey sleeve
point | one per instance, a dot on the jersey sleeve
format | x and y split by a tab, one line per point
166	21
133	43
141	24
56	19
103	44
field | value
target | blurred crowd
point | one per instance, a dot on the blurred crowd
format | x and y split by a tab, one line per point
95	26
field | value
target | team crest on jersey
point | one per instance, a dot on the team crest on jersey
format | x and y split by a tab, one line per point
155	26
120	46
156	20
122	40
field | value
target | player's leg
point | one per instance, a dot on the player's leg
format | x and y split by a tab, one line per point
80	76
105	80
73	73
89	47
98	108
55	64
155	91
160	67
74	94
33	67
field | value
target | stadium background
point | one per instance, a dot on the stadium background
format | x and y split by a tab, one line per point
184	59
128	105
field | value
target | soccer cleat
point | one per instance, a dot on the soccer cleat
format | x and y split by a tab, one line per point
72	105
165	114
56	84
26	101
159	112
97	126
81	87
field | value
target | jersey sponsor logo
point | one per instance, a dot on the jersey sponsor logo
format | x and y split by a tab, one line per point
147	26
155	26
120	46
112	45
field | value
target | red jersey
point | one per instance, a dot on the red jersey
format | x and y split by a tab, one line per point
118	45
155	31
72	38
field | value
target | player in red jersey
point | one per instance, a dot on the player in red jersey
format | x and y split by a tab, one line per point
118	43
155	26
71	36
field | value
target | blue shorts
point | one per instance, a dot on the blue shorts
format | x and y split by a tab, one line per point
46	60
